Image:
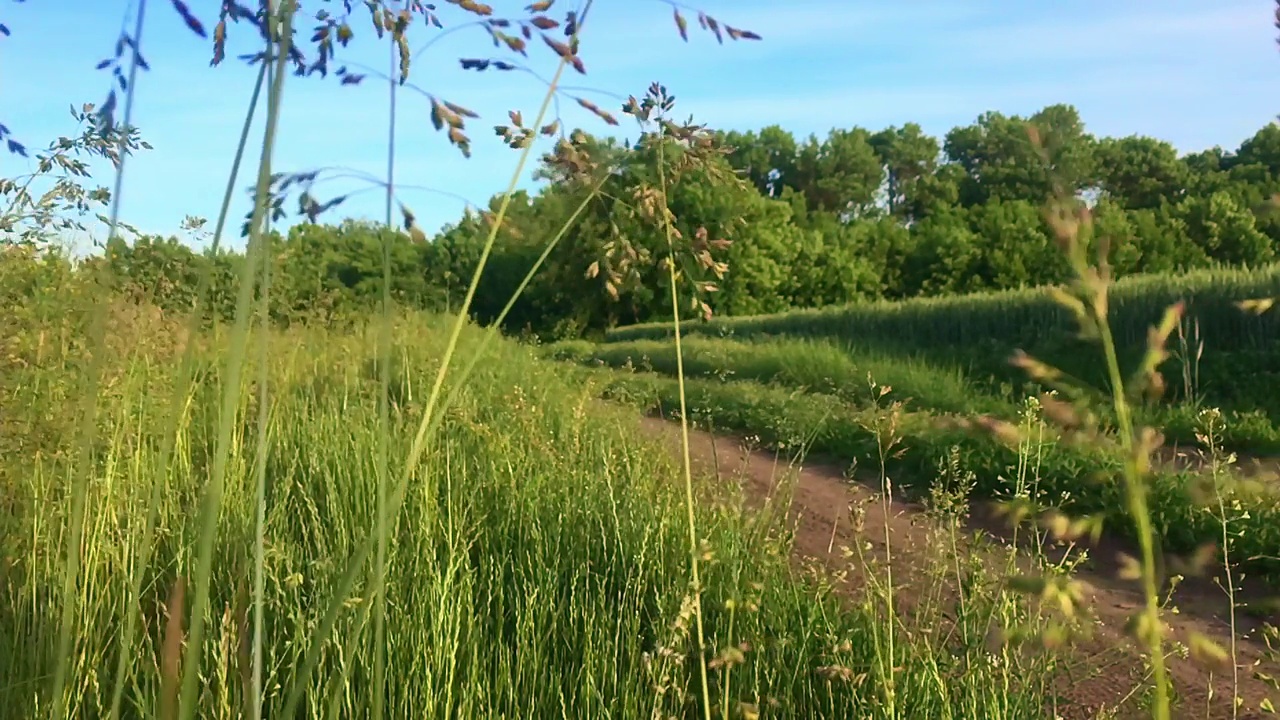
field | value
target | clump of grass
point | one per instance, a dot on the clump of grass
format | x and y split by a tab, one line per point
1072	475
811	365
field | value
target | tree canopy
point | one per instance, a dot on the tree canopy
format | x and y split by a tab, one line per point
793	222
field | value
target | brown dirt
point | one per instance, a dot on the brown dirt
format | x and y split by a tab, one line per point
1264	468
820	518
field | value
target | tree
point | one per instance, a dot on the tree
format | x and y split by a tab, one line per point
1163	241
828	268
1224	230
941	256
1141	172
1016	249
774	246
1261	149
1112	225
1013	158
907	155
841	174
767	160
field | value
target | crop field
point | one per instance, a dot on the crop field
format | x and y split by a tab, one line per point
1221	355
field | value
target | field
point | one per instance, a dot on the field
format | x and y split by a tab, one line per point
555	460
539	566
1221	356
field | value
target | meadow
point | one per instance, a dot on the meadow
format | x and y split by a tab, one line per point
538	566
340	474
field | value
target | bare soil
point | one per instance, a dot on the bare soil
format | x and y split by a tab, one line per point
819	516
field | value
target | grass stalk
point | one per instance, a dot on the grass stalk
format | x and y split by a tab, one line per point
88	411
279	15
695	581
1136	498
384	411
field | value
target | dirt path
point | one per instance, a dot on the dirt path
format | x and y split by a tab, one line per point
820	516
1248	465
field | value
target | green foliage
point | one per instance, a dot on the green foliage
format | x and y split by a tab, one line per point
854	217
321	273
863	216
982	330
1080	480
542	524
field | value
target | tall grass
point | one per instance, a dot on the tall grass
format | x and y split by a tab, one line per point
537	567
357	529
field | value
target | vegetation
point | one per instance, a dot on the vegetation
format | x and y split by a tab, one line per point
856	218
837	416
1221	356
922	381
538	566
247	484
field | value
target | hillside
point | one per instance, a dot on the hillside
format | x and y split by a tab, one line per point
1221	355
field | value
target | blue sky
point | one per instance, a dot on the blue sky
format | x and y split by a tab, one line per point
1197	73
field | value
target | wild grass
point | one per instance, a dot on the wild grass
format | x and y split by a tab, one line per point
917	379
352	528
537	568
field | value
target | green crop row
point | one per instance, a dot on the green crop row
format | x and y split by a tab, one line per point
1222	355
828	367
1021	316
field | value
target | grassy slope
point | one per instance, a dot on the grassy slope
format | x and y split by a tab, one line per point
806	408
1232	357
539	567
921	382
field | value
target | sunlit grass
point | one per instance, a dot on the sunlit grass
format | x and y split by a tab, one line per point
541	577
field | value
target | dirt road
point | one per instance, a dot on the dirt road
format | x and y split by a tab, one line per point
820	516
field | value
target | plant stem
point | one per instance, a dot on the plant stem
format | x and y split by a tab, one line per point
87	431
1135	492
283	14
694	577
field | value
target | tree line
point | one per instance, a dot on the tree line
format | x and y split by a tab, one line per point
794	223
